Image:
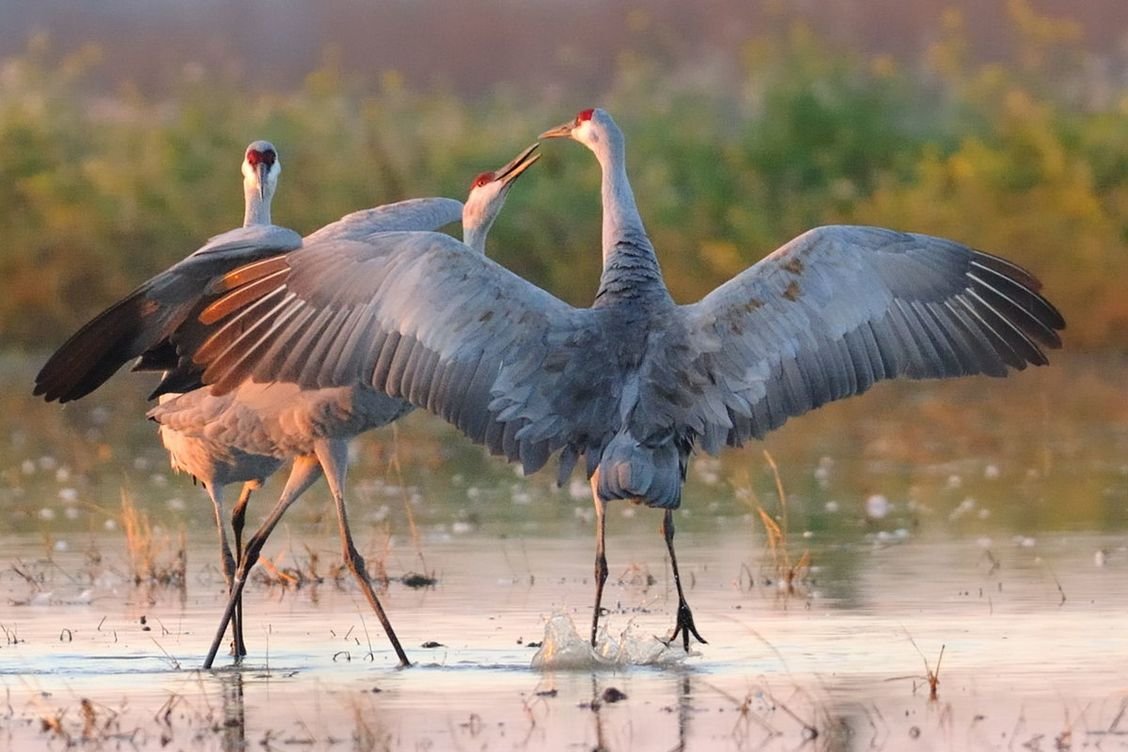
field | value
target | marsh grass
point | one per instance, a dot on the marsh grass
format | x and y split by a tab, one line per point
788	572
302	572
931	676
153	557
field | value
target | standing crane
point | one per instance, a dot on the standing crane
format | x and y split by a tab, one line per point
635	382
212	462
131	327
314	426
256	429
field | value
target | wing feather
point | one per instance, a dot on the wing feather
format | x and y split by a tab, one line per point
841	307
147	316
415	316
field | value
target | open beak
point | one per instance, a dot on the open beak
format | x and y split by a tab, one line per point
564	130
520	163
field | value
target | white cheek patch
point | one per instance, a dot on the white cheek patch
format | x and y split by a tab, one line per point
586	133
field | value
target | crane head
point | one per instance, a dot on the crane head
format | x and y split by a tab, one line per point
487	196
261	168
589	127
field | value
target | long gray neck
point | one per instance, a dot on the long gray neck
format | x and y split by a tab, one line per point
474	232
257	211
630	268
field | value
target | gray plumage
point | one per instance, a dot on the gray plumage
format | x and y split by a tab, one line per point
313	426
636	381
139	325
243	436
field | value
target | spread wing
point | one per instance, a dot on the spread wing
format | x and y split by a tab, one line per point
841	307
420	317
414	214
148	315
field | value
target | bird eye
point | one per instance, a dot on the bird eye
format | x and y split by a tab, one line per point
269	156
482	179
253	157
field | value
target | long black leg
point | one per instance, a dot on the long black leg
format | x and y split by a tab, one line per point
600	553
238	521
302	475
334	460
684	625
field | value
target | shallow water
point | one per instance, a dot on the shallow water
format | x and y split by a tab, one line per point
987	520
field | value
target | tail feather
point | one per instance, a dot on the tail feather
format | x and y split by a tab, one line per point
649	472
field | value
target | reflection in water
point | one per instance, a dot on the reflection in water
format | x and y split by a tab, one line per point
684	710
1003	538
821	677
234	711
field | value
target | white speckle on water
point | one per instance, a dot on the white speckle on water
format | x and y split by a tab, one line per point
176	504
831	506
628	511
954	481
963	508
461	527
48	463
63	474
822	471
877	506
68	495
71	513
61	545
708	469
1099	557
46	514
1023	541
578	489
473	493
991	471
27	467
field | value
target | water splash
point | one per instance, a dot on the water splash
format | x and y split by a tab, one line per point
564	649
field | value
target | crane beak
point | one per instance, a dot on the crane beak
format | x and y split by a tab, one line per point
261	170
564	130
520	163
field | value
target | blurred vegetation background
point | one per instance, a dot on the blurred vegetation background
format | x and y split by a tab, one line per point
111	170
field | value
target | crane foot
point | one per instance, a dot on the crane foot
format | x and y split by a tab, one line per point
685	627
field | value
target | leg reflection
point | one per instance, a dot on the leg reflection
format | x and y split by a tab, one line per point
234	712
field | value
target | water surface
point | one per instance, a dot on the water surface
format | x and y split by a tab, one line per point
985	519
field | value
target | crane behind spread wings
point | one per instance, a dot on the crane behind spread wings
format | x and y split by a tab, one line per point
151	312
419	317
841	307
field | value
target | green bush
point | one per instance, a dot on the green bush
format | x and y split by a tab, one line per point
1022	159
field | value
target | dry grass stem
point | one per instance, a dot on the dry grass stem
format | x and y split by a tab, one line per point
147	548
